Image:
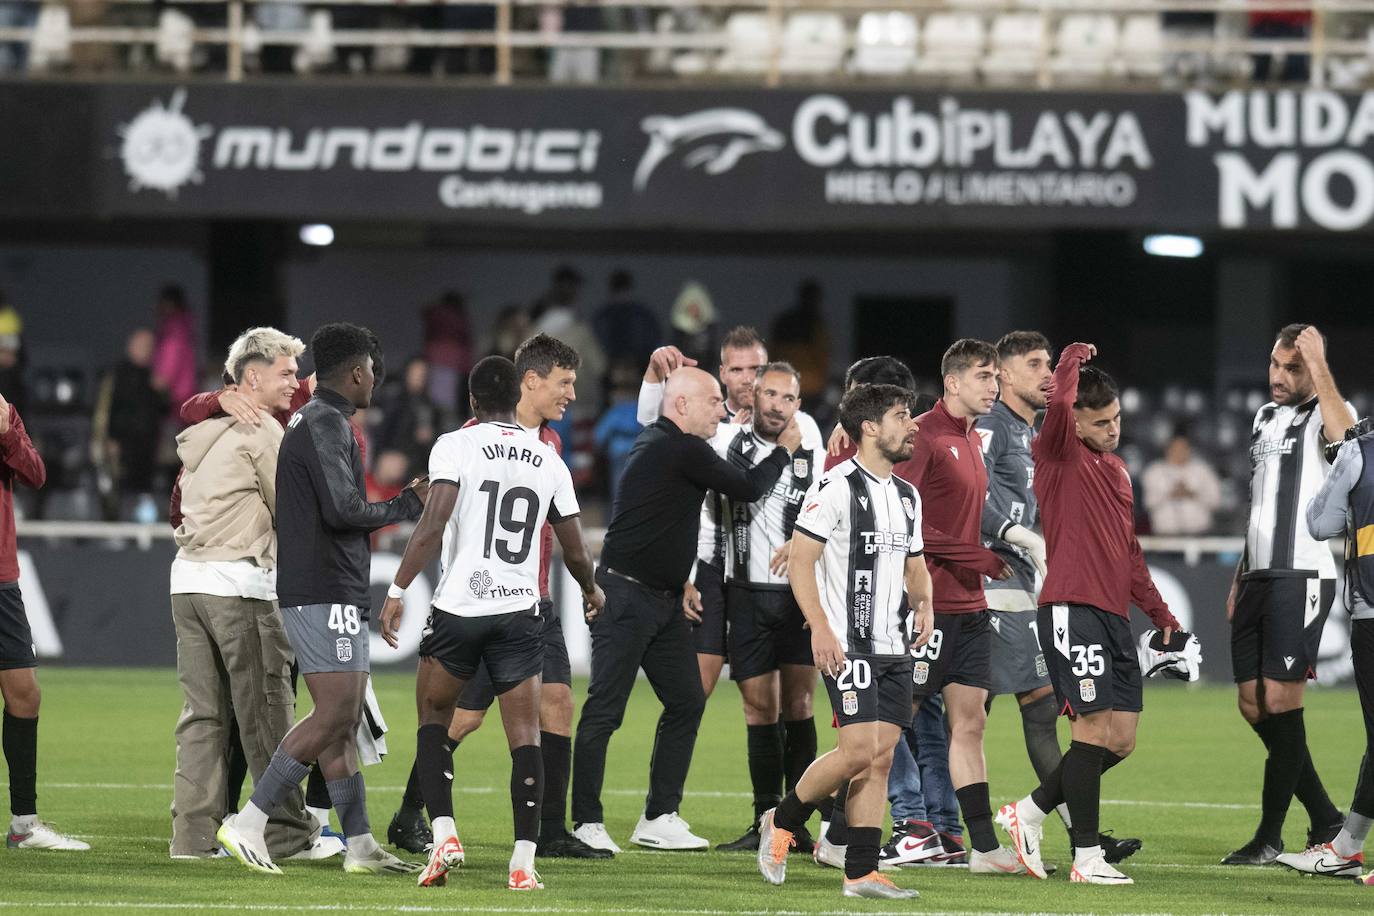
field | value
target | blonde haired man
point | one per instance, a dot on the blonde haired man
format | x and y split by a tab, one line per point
233	659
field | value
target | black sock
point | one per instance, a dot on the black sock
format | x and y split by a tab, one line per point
1082	782
316	789
838	832
526	790
826	808
1321	811
557	753
765	766
434	759
1050	793
413	801
1039	723
792	813
1110	759
976	806
799	749
1287	750
861	858
20	740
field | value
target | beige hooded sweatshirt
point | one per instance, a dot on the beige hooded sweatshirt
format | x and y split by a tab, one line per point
228	493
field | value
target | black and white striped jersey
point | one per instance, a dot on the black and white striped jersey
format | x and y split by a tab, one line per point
869	527
752	532
1286	471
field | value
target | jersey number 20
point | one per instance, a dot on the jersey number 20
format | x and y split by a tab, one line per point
518	512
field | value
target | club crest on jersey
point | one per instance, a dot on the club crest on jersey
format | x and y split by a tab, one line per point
910	507
1087	689
863	580
343	649
801	467
849	701
920	672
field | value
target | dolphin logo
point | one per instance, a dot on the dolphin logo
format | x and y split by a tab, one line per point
726	135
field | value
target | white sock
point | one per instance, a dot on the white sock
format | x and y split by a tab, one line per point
825	825
522	859
1346	845
23	823
251	820
321	815
1064	816
363	846
1085	854
443	828
1028	811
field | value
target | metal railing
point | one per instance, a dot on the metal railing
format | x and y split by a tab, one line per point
237	33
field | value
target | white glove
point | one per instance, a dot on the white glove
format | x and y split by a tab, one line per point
1030	542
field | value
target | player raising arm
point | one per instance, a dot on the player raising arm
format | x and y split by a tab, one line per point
486	609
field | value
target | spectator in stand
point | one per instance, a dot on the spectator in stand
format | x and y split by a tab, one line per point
555	313
175	370
448	348
389	475
624	326
410	420
13	359
14	55
1281	24
128	416
1181	490
695	327
800	338
618	427
512	329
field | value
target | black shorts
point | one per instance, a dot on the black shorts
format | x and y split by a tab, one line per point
479	693
710	633
959	652
509	645
16	640
766	630
1092	659
872	688
1276	629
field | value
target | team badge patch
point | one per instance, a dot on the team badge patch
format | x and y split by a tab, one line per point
910	507
343	648
801	467
1041	669
849	701
1087	689
920	672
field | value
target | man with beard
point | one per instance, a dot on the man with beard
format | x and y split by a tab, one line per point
769	649
1285	585
855	565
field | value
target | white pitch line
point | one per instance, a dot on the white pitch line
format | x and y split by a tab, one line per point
416	908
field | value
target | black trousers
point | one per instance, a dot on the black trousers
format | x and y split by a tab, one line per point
644	628
1362	652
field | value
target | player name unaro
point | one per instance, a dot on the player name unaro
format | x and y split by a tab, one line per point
499	450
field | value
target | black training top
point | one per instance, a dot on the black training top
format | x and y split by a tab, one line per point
323	516
653	531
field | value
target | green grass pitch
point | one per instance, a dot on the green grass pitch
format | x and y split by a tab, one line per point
1190	791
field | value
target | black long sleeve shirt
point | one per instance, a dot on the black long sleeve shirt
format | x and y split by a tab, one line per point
653	531
323	516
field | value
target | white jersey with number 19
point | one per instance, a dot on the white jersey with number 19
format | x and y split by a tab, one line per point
508	482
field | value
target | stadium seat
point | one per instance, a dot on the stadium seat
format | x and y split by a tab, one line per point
813	43
751	39
1142	45
1014	47
1085	46
951	45
175	40
885	44
51	45
317	51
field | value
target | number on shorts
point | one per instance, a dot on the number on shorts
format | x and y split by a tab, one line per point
343	618
855	675
931	649
1088	660
510	551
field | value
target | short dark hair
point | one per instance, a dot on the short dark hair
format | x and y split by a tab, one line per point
378	358
966	353
494	385
741	337
1096	389
541	353
870	402
879	370
1019	343
337	347
778	365
1288	335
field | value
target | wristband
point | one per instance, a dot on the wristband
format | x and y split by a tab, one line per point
395	591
